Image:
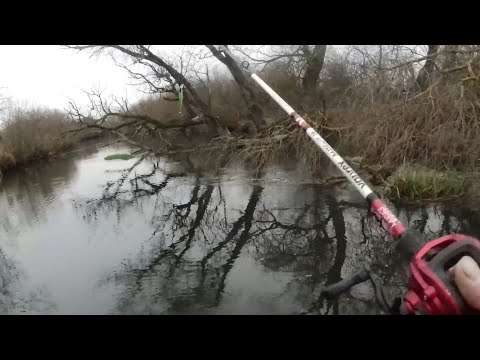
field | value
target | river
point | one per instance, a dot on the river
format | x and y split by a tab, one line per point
82	235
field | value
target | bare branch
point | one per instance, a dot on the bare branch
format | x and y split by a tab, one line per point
456	51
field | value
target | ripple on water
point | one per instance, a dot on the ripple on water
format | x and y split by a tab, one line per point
167	240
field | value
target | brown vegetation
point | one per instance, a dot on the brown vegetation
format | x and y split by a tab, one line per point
32	134
385	120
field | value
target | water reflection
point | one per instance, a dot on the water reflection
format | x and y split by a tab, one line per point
144	236
254	247
17	299
30	190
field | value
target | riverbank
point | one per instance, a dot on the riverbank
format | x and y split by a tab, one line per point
32	134
406	184
400	184
408	181
8	162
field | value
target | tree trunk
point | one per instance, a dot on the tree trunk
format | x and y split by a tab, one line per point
451	57
449	62
314	66
248	95
425	75
338	221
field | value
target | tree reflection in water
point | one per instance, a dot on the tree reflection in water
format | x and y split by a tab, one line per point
14	299
215	250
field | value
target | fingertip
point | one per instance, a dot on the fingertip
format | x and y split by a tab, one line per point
469	267
466	275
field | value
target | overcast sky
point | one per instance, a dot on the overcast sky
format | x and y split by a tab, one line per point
48	75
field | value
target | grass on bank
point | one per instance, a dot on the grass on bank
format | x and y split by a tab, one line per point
419	183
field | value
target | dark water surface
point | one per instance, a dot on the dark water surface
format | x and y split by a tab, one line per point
81	235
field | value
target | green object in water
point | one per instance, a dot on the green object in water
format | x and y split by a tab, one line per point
119	157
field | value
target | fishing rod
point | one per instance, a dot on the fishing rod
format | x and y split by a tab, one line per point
430	288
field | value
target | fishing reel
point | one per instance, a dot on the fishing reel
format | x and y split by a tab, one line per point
431	290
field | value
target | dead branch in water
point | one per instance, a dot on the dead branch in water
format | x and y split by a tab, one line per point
225	144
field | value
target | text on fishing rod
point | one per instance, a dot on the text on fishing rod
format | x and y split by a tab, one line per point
348	170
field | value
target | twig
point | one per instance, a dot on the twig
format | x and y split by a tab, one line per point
447	51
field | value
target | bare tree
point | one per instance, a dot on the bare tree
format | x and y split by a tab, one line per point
116	117
450	58
248	95
4	102
304	61
425	74
169	80
314	63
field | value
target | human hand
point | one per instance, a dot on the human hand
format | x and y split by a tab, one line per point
466	275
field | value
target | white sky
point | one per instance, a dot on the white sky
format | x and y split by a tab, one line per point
48	75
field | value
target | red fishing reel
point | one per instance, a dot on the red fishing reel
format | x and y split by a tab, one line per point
431	289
